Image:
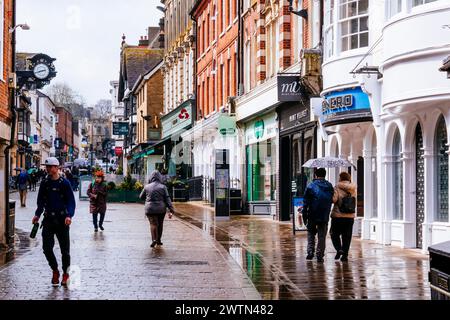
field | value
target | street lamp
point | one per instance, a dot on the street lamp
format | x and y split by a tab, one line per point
24	26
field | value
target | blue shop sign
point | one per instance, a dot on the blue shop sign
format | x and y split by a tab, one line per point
347	105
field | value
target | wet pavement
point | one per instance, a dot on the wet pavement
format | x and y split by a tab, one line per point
247	257
274	259
118	263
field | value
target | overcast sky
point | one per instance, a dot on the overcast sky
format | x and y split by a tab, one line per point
84	36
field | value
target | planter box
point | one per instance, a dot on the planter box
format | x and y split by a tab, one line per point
124	196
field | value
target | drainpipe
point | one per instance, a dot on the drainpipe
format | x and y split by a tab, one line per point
12	101
194	67
240	50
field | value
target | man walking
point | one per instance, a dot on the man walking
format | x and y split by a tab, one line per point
23	180
318	199
56	201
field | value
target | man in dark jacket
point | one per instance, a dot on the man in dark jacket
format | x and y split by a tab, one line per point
157	201
318	199
57	202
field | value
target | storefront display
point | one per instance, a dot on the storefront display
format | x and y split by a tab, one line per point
261	150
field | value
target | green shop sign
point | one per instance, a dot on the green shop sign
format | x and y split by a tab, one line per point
259	129
227	125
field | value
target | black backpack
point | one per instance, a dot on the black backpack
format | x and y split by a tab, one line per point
348	204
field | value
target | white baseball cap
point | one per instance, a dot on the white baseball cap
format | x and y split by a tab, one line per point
52	161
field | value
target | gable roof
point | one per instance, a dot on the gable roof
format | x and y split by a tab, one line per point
136	61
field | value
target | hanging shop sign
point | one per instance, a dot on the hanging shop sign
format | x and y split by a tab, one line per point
227	125
348	105
261	129
120	128
289	88
179	119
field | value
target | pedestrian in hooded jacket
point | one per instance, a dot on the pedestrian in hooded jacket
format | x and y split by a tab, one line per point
97	193
317	203
342	223
157	201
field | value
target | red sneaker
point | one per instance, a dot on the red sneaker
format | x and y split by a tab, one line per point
65	279
55	278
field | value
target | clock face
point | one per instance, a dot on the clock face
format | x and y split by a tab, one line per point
41	71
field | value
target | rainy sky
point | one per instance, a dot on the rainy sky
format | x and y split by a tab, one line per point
84	36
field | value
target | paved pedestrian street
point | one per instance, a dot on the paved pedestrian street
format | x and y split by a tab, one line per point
247	257
118	263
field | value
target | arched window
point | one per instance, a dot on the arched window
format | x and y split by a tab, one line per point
397	176
441	149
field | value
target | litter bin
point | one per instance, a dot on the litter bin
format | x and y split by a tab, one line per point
11	223
439	275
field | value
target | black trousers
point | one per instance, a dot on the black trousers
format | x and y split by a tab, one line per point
156	226
341	233
95	219
55	227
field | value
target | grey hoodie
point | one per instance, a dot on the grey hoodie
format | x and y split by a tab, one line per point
156	196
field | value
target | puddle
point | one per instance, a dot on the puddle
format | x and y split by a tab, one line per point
270	282
22	245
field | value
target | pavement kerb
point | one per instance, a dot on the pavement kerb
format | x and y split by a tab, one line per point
226	256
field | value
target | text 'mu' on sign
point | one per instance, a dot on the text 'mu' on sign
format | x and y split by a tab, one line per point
289	88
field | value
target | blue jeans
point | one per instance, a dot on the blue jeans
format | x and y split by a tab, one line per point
321	229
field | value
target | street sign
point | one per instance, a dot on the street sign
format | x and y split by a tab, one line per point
120	128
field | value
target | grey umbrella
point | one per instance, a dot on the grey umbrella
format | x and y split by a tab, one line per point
328	162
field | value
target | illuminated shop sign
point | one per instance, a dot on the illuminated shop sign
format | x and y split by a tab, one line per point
346	106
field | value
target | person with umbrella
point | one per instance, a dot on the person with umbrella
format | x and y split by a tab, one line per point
343	215
316	212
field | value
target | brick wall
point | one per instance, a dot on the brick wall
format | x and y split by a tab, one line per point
216	59
64	125
7	56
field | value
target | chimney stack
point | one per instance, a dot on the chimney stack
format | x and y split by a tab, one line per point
143	42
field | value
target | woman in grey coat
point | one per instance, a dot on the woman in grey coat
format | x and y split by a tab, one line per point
157	201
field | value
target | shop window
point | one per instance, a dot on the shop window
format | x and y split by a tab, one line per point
261	171
397	177
441	150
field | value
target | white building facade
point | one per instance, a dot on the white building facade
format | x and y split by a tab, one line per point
390	117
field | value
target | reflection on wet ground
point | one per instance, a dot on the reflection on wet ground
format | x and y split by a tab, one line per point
274	259
22	245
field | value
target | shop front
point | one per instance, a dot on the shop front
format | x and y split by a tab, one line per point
297	140
347	118
261	147
177	152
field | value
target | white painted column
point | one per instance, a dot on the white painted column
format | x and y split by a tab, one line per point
387	204
368	194
429	195
409	199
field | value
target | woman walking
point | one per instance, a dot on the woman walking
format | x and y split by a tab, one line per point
97	193
157	201
343	215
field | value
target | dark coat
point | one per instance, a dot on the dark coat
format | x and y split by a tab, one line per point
97	205
317	201
156	196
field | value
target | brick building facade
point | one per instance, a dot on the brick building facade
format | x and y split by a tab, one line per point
7	16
